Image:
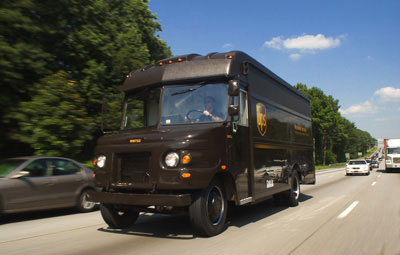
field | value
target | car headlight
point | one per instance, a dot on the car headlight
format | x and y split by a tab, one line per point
101	161
172	159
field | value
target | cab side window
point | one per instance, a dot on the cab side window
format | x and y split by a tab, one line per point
243	113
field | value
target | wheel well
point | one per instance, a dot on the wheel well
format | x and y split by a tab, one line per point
296	168
82	190
227	180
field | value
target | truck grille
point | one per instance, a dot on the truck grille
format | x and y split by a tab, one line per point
396	160
134	167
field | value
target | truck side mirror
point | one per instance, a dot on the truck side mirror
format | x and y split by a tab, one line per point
233	88
233	110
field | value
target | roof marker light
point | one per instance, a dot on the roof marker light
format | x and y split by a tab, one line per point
169	61
180	59
229	57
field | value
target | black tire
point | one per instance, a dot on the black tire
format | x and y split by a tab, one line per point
83	204
116	218
209	209
388	170
291	197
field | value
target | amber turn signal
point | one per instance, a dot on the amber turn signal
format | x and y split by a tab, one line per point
186	175
186	159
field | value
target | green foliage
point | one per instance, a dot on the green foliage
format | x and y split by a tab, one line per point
54	122
95	42
333	134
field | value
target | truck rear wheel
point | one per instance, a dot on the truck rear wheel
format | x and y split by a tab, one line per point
209	210
291	197
116	218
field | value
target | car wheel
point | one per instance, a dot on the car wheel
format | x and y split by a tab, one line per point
209	209
118	218
291	197
85	205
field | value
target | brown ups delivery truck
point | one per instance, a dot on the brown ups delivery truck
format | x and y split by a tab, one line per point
198	132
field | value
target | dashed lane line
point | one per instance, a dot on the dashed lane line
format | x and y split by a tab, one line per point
348	210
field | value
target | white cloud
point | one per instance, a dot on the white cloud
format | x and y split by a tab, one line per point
275	43
227	46
388	94
295	56
360	109
311	42
296	47
304	43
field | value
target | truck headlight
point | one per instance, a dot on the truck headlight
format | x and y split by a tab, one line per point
101	161
172	159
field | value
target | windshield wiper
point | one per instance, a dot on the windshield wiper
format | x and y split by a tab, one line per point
189	89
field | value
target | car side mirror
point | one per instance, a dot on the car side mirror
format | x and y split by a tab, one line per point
20	175
233	88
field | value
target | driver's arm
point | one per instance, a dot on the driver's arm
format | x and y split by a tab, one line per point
213	117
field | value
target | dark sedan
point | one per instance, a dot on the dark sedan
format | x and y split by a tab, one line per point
38	183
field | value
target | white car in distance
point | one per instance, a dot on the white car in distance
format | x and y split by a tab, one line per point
357	166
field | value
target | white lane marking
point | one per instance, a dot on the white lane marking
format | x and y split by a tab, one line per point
373	184
348	210
379	176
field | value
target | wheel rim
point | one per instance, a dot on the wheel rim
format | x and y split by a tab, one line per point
296	187
215	205
86	204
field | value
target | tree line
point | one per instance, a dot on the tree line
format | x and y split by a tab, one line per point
333	135
59	58
57	61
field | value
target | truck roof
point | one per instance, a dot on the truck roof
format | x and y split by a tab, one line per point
196	67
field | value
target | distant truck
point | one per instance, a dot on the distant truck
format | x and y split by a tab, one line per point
198	132
392	153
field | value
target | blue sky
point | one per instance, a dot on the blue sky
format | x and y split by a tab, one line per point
349	49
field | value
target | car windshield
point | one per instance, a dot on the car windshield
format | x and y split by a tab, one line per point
194	103
9	165
358	162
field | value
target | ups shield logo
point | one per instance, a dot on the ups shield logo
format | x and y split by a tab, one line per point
261	119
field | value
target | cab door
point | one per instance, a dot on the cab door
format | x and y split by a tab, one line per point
240	149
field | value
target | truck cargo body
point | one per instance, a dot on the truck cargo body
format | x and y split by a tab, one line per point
392	153
175	152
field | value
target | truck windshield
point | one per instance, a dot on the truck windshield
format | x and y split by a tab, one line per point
185	104
393	151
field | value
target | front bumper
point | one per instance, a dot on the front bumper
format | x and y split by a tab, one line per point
180	200
395	165
356	171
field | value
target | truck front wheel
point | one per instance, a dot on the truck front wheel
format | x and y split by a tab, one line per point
209	209
116	218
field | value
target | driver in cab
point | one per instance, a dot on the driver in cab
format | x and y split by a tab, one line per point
210	113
